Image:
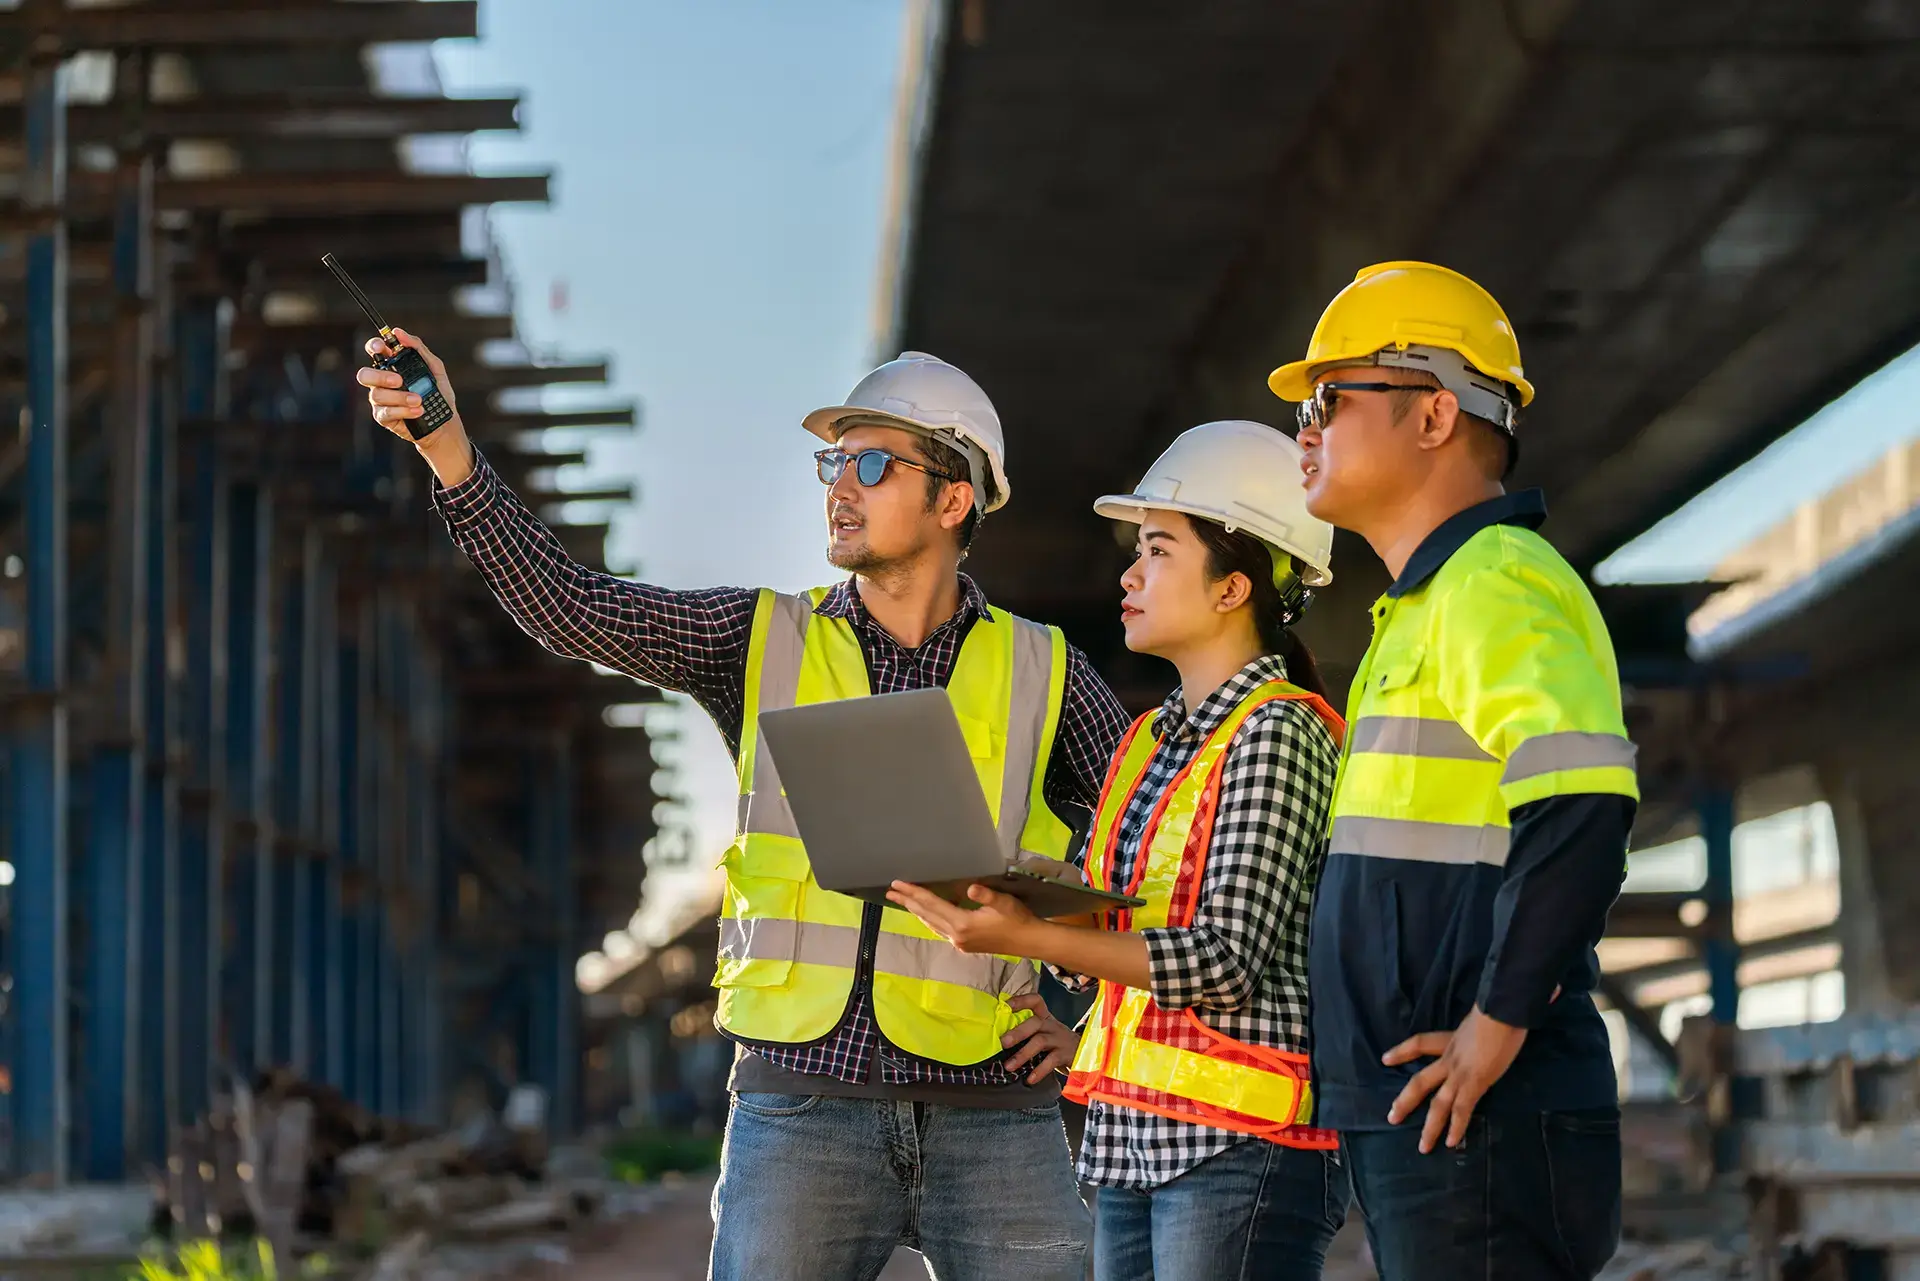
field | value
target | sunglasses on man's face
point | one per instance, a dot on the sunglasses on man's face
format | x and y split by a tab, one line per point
1317	410
869	466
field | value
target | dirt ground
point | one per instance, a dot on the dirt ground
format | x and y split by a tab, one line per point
669	1243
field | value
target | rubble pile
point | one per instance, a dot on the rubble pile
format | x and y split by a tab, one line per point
313	1174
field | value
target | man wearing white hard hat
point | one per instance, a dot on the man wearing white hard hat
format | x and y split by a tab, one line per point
1193	1065
879	1097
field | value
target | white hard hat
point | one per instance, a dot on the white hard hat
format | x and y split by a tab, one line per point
1240	474
925	394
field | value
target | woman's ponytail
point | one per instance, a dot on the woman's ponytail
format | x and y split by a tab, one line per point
1237	551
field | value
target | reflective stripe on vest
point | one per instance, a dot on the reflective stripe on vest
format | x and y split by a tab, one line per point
1135	1054
789	949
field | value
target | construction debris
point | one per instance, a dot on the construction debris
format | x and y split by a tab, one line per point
312	1173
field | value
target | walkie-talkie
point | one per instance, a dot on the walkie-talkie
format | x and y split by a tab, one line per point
408	363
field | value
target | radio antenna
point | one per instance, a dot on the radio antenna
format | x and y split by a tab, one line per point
366	305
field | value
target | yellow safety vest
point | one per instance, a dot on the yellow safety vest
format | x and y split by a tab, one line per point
789	950
1135	1054
1489	686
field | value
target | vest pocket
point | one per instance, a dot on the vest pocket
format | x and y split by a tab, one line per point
985	740
760	925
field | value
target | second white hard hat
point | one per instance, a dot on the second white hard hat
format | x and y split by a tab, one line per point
925	394
1244	475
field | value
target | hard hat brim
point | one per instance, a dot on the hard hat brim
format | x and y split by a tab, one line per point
1132	508
1293	381
831	423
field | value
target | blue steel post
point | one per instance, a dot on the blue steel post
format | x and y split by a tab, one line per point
330	1007
38	806
158	1059
115	860
1721	949
553	1045
289	741
392	856
426	785
249	996
316	1034
202	367
365	932
351	805
293	905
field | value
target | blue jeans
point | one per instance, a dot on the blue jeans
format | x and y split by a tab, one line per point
816	1188
1256	1212
1533	1194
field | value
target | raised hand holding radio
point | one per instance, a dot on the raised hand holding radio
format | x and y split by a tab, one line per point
398	408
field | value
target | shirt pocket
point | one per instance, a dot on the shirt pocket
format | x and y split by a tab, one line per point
1386	736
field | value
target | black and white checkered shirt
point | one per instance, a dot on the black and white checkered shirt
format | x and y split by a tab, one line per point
1243	961
696	642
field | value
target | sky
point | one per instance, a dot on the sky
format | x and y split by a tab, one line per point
720	168
716	219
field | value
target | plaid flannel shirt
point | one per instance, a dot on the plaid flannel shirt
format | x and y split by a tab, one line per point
696	642
1243	961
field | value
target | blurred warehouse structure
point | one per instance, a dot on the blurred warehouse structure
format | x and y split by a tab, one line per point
1705	223
282	783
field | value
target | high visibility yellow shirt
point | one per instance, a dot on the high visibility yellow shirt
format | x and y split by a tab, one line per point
1479	821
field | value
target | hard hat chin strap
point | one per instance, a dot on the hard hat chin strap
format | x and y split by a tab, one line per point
1295	596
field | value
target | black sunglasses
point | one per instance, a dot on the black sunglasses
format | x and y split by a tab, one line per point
1317	411
869	466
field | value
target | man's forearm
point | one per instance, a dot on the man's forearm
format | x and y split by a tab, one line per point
449	453
1563	874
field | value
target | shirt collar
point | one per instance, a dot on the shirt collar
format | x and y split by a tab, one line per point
843	601
1527	508
1218	705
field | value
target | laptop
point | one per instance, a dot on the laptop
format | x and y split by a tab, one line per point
883	789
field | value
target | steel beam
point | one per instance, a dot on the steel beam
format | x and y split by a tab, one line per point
346	193
293	907
422	282
38	952
289	742
555	497
160	804
492	378
233	23
354	963
303	240
249	780
554	1005
115	859
201	350
327	1005
299	114
448	333
497	422
391	808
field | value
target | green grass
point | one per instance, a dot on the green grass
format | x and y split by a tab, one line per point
211	1261
641	1156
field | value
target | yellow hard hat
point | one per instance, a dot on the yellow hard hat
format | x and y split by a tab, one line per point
1393	306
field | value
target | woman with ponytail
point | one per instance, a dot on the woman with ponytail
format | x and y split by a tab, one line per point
1193	1061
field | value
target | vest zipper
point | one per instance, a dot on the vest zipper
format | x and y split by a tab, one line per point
869	940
